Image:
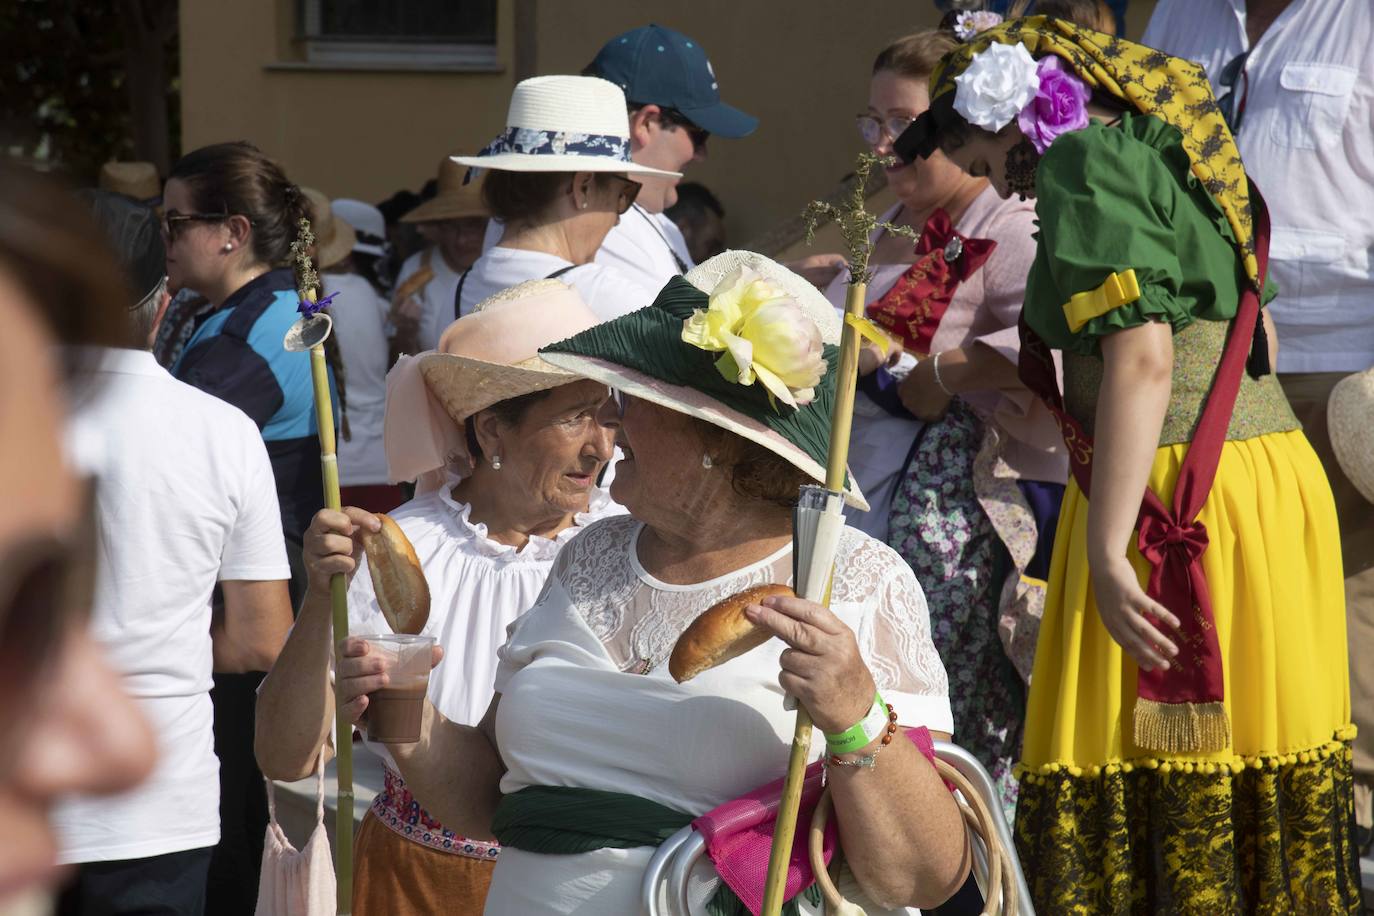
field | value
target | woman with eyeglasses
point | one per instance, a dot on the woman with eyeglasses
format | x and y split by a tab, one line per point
557	180
230	216
507	450
963	469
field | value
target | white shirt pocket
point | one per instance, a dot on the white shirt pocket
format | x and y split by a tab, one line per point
1312	104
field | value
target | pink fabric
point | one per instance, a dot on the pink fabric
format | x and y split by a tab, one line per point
417	433
419	436
297	883
739	833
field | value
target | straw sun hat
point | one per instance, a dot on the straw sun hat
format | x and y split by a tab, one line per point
334	238
483	358
453	200
1350	424
132	179
644	355
564	124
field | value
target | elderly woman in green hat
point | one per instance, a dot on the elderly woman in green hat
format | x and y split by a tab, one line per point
590	750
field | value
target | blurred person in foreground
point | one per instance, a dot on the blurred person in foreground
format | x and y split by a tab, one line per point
183	509
66	724
1296	81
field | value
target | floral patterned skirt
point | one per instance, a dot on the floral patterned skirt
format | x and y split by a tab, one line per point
938	527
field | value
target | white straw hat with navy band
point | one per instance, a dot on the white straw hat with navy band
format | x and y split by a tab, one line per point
564	124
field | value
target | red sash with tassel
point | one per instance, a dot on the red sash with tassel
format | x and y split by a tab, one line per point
1179	710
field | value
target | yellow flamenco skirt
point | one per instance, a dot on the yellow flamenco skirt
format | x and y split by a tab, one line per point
1104	826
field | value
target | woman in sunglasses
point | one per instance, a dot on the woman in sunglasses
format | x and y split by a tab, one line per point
558	184
65	725
979	543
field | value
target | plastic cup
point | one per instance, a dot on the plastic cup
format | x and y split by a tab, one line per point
394	713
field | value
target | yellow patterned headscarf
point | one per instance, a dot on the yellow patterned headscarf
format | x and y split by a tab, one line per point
1170	88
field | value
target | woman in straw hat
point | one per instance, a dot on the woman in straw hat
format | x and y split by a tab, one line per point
557	180
508	449
590	752
1186	743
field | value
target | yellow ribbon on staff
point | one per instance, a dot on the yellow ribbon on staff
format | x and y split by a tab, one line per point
869	331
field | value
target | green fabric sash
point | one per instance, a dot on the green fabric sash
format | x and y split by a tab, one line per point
559	820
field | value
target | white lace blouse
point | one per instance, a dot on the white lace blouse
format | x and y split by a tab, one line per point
587	701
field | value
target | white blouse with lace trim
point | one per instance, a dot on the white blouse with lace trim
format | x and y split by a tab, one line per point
477	588
577	711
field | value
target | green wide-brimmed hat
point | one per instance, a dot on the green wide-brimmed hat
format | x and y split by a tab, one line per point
738	342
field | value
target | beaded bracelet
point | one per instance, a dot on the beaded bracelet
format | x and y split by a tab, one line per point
935	364
861	733
868	761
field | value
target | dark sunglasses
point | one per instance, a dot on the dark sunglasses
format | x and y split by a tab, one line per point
172	223
47	584
1232	102
629	190
698	135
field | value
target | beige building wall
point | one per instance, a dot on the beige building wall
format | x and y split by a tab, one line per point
801	66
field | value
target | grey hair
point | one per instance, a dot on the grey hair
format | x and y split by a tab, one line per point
143	314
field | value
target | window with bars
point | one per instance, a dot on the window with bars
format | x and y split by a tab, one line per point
413	33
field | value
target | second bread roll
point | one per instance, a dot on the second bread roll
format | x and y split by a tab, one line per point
721	633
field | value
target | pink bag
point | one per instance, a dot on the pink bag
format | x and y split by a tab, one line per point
297	883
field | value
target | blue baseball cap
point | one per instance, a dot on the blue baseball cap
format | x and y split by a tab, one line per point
657	66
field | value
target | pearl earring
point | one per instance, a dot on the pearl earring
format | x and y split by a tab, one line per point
496	462
228	247
584	205
706	461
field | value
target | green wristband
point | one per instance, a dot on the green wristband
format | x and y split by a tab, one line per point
863	732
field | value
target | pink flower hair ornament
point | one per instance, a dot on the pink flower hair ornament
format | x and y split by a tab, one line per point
1060	104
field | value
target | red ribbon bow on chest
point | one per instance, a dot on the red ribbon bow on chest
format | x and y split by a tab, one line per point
912	309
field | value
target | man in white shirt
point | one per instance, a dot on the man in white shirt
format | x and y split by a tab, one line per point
675	106
1295	79
184	502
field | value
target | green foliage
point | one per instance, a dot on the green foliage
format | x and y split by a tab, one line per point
64	99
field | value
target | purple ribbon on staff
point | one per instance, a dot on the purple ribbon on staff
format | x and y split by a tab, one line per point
311	309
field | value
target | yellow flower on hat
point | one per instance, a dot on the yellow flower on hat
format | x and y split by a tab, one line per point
762	335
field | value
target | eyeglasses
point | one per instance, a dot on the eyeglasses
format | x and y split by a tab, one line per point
1231	102
698	135
47	584
628	192
171	222
873	129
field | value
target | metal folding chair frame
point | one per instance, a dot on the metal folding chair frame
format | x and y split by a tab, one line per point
673	860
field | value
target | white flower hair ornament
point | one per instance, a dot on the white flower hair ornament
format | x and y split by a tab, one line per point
763	336
1001	80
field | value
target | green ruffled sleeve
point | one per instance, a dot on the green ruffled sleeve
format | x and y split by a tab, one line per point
1106	207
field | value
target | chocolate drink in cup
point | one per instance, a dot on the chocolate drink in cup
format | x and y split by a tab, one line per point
395	711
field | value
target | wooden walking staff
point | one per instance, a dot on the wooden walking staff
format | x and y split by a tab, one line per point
856	226
310	333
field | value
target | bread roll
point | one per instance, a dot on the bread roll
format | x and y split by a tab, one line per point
720	634
397	578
